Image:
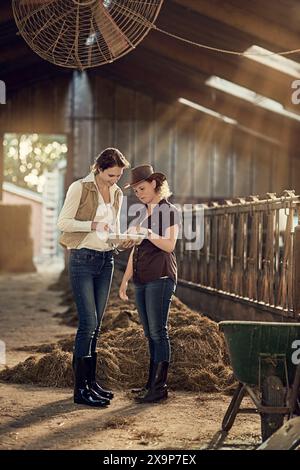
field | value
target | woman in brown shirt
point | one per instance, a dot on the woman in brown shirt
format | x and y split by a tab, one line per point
152	265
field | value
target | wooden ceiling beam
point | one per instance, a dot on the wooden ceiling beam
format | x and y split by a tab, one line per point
261	79
6	13
233	15
201	29
21	74
140	73
135	73
18	52
285	13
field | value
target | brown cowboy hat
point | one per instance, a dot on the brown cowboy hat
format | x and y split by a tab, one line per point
142	173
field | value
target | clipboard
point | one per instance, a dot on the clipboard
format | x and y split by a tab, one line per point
118	238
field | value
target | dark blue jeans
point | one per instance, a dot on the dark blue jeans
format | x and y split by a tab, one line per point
153	301
90	275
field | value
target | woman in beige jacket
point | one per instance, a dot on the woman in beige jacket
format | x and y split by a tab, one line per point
92	206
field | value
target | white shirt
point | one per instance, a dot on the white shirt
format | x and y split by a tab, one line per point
105	213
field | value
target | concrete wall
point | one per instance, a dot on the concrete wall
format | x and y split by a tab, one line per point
220	307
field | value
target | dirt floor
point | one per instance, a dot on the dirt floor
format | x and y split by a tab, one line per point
34	417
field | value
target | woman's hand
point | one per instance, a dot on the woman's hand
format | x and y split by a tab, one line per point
100	226
126	244
134	229
122	291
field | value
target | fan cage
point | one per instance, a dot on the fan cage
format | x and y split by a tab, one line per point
84	33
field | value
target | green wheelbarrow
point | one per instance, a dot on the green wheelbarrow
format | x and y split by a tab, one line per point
264	357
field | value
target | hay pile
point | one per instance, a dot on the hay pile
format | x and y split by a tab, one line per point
199	357
51	370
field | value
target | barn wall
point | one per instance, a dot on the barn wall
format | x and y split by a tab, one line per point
202	157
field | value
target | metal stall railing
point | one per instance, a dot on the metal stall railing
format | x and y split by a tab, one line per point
248	250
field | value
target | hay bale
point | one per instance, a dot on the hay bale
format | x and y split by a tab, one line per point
16	245
199	361
52	370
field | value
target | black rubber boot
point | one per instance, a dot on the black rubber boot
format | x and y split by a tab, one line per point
93	385
150	379
158	388
82	394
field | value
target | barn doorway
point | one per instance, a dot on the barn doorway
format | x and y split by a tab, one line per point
34	170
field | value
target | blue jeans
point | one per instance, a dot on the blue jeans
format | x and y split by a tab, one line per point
90	275
153	301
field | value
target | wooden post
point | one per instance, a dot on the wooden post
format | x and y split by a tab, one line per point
296	280
69	176
1	164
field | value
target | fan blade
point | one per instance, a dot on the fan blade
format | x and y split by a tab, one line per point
116	41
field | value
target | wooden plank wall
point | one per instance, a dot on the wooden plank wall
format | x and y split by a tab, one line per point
202	157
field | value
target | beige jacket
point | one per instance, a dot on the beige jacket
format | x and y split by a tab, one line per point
79	210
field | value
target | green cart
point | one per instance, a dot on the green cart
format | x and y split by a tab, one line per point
264	357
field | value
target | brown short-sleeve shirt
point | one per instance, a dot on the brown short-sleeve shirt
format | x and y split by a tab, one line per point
149	261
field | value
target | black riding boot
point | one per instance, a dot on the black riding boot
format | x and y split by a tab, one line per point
158	388
88	363
82	394
93	385
150	379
